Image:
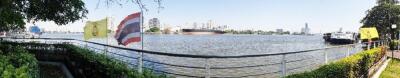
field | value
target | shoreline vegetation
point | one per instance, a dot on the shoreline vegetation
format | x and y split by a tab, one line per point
354	66
80	61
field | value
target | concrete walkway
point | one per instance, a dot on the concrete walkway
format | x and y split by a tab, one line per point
396	53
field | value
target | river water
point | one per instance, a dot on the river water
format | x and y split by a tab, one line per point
217	44
228	45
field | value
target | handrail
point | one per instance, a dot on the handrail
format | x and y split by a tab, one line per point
186	55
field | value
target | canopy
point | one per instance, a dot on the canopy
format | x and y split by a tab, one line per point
34	29
369	33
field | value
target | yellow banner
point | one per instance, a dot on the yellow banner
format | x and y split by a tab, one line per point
369	33
96	29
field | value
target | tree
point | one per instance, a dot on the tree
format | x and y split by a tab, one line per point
14	13
383	16
154	29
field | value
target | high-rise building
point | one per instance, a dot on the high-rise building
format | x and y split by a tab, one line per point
154	22
194	25
210	24
305	30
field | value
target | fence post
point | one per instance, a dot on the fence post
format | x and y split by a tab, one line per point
326	56
86	45
368	46
140	61
283	65
348	50
208	69
398	47
105	50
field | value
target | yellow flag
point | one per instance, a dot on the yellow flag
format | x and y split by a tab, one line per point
96	29
369	33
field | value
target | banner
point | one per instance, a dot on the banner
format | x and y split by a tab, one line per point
95	29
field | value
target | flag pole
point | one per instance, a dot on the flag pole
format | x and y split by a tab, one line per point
141	24
106	47
140	60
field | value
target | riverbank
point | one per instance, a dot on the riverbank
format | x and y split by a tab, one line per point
81	62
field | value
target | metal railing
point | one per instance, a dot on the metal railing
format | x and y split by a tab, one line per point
189	65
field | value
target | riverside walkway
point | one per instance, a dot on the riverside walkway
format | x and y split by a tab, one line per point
396	54
271	65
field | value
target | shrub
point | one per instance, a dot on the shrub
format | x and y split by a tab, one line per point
16	62
112	67
93	65
354	66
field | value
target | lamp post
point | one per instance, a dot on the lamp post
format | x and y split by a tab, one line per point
394	26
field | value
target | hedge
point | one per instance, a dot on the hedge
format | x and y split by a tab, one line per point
16	62
113	68
354	66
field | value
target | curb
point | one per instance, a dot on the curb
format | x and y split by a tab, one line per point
381	69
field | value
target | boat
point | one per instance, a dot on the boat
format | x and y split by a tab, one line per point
201	31
33	32
341	37
327	36
3	34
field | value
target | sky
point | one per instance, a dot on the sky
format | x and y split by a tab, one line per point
321	15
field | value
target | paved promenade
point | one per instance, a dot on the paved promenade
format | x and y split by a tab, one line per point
396	53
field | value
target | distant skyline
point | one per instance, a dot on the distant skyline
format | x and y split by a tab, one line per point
268	15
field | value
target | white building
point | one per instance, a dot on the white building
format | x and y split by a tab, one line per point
154	22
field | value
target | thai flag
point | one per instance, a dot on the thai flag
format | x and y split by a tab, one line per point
128	30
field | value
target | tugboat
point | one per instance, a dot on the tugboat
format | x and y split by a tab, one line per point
327	36
341	37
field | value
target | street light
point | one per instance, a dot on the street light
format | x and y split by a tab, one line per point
394	26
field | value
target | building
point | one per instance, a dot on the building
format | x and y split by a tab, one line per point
305	30
154	22
210	24
279	31
172	30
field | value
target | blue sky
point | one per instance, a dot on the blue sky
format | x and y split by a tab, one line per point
321	15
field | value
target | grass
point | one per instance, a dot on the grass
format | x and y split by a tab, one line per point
393	70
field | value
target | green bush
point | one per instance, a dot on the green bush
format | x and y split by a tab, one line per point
99	65
16	62
354	66
113	67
